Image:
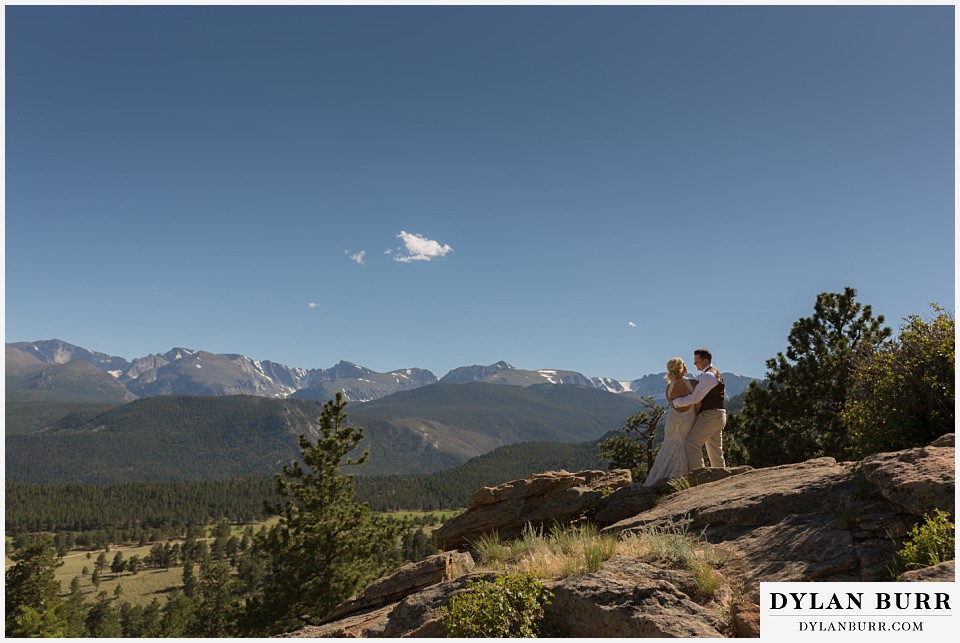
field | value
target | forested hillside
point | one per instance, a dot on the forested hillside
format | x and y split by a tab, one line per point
124	506
466	420
167	438
452	488
205	438
29	417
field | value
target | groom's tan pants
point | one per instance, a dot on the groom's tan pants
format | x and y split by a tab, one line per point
707	430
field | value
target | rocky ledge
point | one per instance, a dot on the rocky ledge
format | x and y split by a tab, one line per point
819	520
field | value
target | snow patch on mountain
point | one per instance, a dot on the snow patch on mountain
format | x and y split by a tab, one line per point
550	375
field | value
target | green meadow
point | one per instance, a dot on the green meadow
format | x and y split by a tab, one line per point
148	583
138	589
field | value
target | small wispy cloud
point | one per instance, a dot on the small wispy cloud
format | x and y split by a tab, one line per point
419	248
313	305
632	324
357	257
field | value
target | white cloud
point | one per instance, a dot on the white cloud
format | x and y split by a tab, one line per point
356	257
631	324
419	248
313	305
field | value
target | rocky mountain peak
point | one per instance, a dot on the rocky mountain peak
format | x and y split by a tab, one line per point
57	351
347	370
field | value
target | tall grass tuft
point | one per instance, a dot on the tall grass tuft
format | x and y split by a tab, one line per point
676	545
492	550
679	484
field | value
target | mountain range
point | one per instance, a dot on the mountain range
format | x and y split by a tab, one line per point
56	370
76	415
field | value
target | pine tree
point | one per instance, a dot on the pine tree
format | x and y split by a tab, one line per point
152	620
218	605
134	564
75	611
101	562
189	579
31	603
795	414
118	564
179	616
325	546
103	619
131	620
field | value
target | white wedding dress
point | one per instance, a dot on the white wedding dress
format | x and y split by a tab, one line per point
671	459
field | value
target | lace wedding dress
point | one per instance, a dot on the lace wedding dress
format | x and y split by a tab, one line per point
671	459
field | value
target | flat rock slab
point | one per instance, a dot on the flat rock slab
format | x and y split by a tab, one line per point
799	548
737	504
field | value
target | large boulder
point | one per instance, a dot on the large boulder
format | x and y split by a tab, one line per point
629	598
542	500
915	480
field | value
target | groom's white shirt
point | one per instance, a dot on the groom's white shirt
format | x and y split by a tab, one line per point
705	382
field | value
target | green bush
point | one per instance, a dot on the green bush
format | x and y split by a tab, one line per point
929	543
510	606
903	392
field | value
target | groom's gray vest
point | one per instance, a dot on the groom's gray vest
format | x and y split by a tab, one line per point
714	398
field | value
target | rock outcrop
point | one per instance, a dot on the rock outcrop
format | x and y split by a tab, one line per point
407	580
542	500
813	521
629	598
945	572
819	520
916	480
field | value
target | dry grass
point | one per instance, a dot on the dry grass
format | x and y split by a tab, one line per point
675	545
561	553
580	550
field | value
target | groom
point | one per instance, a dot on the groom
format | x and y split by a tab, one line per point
712	417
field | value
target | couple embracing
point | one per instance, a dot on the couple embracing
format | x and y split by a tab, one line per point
696	418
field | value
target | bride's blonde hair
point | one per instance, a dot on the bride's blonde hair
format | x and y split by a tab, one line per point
676	368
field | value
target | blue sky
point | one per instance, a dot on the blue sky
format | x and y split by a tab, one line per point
594	189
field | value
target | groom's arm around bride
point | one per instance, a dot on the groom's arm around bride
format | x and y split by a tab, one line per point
708	429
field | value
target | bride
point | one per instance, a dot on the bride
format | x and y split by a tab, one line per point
671	460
